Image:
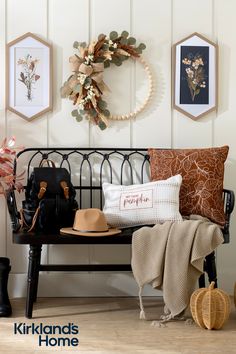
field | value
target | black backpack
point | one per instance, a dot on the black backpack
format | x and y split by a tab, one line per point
49	200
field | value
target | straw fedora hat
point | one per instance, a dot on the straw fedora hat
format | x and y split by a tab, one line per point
89	222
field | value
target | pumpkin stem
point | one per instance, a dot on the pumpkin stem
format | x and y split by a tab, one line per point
212	285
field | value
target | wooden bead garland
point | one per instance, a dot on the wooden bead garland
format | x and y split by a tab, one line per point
148	98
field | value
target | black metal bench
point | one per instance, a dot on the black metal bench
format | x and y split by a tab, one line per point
89	168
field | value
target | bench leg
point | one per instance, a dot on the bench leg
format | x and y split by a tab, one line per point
32	280
211	268
37	274
201	281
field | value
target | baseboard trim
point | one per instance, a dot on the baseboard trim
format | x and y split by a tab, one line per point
81	284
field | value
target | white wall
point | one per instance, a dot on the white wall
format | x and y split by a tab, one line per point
158	23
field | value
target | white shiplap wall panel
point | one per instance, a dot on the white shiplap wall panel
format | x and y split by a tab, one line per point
152	128
27	16
2	68
68	22
117	18
22	17
2	123
107	16
189	17
223	134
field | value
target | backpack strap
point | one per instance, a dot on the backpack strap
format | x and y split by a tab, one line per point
34	219
42	190
23	223
65	188
49	163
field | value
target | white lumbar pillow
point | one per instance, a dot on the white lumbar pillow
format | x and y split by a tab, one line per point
142	204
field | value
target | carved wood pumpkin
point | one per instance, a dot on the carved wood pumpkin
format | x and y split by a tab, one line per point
210	307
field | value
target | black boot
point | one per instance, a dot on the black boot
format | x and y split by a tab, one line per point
5	306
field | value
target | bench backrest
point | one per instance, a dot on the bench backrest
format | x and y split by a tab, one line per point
91	167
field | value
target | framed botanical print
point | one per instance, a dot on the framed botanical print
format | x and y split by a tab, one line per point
29	76
195	76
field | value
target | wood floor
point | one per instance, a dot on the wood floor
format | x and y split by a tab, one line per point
112	325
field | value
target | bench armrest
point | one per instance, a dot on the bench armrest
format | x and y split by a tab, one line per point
229	198
12	208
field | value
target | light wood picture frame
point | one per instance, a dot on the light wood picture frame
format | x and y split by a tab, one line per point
195	76
29	76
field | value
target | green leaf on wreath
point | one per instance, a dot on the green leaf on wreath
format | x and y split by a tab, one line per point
106	63
87	81
123	57
105	46
197	92
124	41
76	114
77	88
138	50
76	44
102	125
131	40
117	61
92	113
102	105
101	36
142	46
125	34
106	113
79	118
113	35
99	60
65	90
83	44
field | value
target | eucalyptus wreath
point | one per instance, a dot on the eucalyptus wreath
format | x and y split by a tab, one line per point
85	87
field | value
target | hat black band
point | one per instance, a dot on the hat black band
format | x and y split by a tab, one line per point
92	231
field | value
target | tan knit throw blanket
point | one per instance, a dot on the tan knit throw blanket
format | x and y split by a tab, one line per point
170	257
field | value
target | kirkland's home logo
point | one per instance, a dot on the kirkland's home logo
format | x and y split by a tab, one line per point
50	335
136	199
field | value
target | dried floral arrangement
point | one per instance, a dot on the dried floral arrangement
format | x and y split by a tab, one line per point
28	74
85	87
195	74
7	155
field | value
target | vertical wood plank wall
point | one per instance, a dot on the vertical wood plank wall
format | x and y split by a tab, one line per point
159	24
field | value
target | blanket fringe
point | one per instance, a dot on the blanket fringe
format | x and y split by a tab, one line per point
168	318
142	314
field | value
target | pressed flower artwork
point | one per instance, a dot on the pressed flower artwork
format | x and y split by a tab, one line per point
28	74
194	75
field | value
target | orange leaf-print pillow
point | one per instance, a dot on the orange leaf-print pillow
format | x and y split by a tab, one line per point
202	171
